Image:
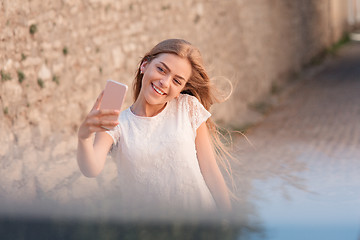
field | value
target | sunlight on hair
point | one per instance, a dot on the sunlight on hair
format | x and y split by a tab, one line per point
246	138
223	86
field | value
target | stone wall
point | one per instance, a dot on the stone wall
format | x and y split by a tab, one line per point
55	56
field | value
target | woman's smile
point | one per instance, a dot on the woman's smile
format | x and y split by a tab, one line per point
157	90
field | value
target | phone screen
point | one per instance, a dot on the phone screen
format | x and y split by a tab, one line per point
113	98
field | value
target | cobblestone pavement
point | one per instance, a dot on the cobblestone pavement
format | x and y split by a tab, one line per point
304	164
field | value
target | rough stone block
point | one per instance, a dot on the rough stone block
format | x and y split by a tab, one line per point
11	92
44	73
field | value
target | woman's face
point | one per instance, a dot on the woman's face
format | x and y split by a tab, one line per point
164	77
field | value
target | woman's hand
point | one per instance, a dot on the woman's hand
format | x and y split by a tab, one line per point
96	120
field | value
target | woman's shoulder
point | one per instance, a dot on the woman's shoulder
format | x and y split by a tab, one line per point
187	99
194	109
124	113
124	116
190	103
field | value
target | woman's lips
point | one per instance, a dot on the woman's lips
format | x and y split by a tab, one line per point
157	89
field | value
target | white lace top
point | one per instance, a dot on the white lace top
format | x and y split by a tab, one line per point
156	157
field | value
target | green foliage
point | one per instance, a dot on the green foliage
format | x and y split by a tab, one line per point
56	79
275	89
41	83
166	7
6	110
335	47
23	57
320	57
197	18
5	76
65	51
33	29
21	76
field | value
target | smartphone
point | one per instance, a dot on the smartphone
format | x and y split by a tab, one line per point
113	98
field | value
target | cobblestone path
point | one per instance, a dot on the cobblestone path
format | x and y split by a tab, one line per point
305	163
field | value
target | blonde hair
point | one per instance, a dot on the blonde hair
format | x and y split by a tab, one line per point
198	85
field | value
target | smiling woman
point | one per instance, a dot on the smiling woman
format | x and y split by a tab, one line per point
163	79
163	143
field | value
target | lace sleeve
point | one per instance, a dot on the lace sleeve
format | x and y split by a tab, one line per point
115	134
197	113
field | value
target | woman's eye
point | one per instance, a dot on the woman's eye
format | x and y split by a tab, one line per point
160	69
177	81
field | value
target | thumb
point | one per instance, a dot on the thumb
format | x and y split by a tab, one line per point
98	101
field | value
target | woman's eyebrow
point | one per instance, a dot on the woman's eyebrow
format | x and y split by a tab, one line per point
167	68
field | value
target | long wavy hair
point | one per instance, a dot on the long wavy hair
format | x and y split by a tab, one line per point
198	85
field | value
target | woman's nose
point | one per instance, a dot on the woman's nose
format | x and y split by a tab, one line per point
165	81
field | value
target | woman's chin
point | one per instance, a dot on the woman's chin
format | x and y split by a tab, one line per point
154	100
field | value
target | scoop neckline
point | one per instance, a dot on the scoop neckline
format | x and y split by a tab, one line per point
153	117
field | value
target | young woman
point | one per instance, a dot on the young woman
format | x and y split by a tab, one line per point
163	143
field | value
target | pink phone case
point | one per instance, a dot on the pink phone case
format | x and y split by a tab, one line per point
113	98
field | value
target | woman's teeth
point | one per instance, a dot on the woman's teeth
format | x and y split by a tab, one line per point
157	90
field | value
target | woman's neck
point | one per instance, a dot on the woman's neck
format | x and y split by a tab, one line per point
143	109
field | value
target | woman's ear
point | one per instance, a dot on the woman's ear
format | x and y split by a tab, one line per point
143	66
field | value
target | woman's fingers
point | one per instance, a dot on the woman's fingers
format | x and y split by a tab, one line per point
103	112
98	120
108	112
98	101
92	125
100	128
101	122
100	125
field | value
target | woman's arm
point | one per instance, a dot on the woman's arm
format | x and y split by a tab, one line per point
209	168
91	155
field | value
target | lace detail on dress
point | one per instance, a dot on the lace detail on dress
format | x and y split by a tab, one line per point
115	134
197	112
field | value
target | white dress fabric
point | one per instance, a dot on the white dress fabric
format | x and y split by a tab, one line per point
156	157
